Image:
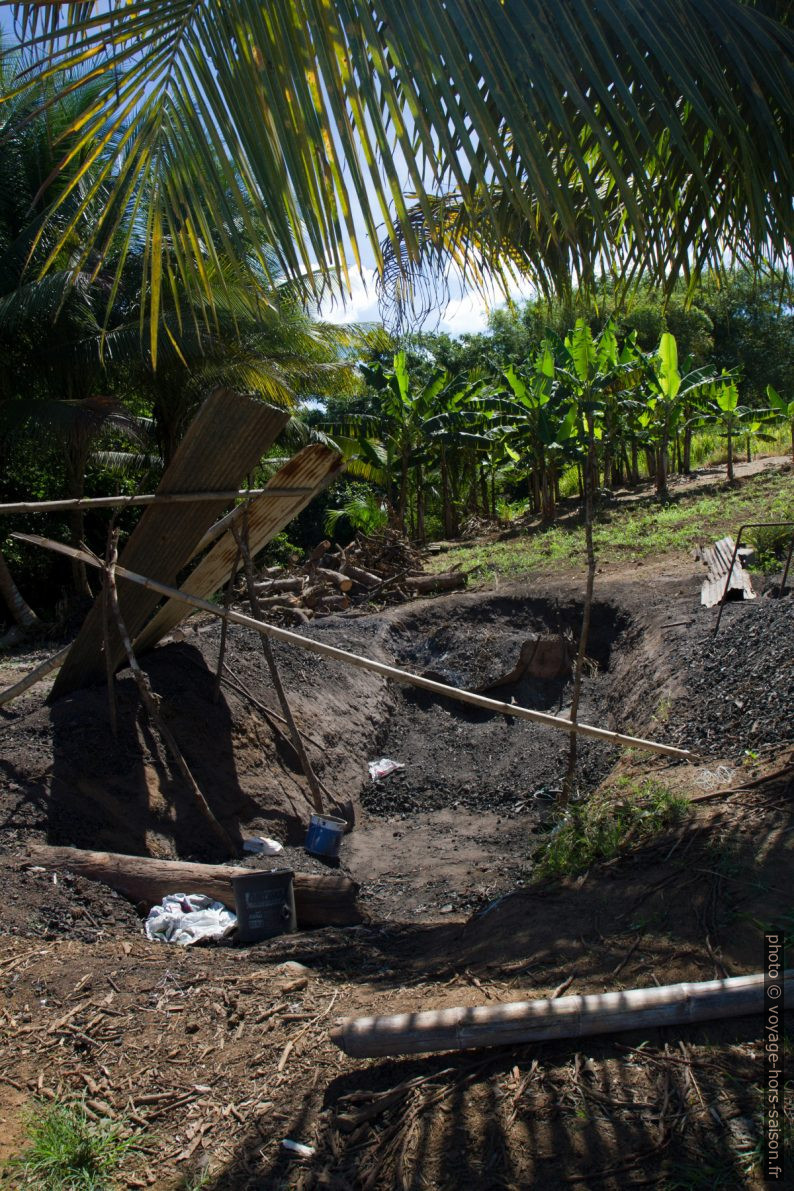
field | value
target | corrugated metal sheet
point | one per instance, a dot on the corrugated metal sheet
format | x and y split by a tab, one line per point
314	468
718	560
224	442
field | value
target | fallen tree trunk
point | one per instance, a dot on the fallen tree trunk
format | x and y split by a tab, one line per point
568	1017
319	901
427	583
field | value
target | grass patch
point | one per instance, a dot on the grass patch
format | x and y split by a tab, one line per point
629	532
600	828
68	1151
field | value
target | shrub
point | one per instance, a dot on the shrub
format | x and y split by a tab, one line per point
598	828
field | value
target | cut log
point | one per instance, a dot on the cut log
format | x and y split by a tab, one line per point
342	582
427	583
319	901
359	575
311	596
519	1022
276	585
277	601
334	603
318	551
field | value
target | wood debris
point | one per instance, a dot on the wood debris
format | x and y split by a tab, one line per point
381	568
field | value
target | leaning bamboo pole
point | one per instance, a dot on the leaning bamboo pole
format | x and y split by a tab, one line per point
354	659
33	676
519	1022
150	498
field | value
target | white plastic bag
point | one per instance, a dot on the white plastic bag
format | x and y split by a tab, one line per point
382	768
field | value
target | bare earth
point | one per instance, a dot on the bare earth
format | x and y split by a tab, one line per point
217	1054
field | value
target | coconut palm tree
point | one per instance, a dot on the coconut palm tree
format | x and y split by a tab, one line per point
573	135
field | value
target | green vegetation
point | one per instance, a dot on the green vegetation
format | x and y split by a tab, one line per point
170	222
69	1151
629	533
601	826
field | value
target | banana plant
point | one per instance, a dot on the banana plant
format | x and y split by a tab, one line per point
720	406
667	397
544	428
781	410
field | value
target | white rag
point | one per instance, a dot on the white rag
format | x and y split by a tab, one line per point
187	918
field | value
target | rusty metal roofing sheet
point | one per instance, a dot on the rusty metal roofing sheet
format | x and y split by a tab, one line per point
313	468
223	443
718	560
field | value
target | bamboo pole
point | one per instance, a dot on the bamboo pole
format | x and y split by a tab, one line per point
270	658
33	676
518	1022
354	659
151	498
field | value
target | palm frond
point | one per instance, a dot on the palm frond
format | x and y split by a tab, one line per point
217	128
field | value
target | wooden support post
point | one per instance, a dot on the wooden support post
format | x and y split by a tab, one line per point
241	537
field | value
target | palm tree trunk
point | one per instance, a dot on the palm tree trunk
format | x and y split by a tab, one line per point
21	613
448	511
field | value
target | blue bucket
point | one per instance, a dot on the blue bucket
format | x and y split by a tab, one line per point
324	837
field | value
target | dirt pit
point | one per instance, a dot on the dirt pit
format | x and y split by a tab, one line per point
454	829
446	834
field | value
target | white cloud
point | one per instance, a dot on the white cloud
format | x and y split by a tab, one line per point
361	306
465	313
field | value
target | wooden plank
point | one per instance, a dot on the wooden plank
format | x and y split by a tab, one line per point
514	710
223	443
319	900
311	470
519	1022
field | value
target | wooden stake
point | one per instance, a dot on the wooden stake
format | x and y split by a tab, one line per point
519	1022
149	702
242	543
227	601
110	554
353	659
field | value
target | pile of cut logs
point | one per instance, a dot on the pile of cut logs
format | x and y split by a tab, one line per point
382	568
